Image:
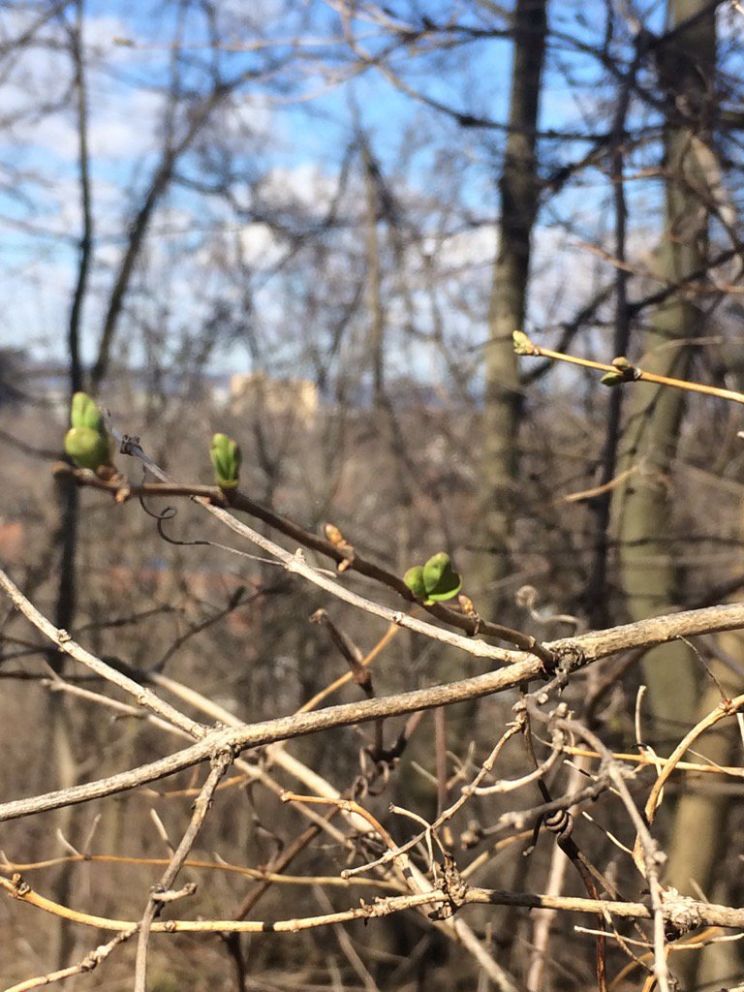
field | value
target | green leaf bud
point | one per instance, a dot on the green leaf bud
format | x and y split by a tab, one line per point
87	447
226	459
612	379
523	345
441	581
414	579
84	412
435	568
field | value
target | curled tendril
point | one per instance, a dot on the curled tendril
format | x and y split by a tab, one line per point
170	512
167	514
173	540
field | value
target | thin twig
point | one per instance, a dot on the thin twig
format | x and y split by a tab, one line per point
636	374
709	914
89	963
221	761
65	643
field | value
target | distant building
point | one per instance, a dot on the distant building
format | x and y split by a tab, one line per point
298	398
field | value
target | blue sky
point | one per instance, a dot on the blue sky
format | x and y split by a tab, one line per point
291	132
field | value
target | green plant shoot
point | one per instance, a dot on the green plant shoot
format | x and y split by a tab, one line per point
434	582
226	459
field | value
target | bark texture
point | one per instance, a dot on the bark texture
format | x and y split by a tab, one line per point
686	66
519	192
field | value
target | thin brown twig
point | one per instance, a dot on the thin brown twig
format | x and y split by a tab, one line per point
87	964
446	814
144	697
729	707
213	499
259	874
312	703
221	761
650	859
631	373
709	914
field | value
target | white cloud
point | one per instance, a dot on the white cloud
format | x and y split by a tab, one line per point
119	128
259	246
248	115
475	246
305	185
122	119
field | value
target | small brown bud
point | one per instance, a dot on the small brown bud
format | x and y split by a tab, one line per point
467	605
334	535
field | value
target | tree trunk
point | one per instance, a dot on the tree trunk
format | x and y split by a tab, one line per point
374	282
686	62
686	65
519	191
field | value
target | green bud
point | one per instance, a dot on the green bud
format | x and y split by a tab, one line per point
226	458
523	345
441	581
87	447
414	579
85	413
435	568
612	379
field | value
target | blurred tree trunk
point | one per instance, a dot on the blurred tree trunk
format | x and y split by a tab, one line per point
519	191
686	62
59	734
374	279
499	466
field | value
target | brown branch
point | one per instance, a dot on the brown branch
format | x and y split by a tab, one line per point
197	117
577	652
86	237
67	645
221	761
630	373
707	914
340	555
258	874
87	964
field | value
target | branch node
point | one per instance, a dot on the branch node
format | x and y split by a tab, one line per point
681	913
455	888
171	895
20	888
